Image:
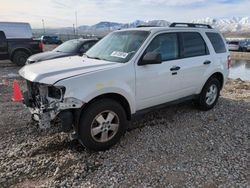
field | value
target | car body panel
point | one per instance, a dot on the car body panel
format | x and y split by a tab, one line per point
113	78
51	71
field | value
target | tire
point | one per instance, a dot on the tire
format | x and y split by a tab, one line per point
20	58
244	50
204	102
101	135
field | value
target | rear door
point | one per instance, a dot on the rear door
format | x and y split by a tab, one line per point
195	60
3	46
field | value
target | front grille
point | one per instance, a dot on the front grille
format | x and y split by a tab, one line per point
32	88
33	93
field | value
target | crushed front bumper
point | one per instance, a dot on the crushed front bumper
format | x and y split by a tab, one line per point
47	103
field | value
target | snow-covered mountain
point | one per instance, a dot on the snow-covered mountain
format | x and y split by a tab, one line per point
234	24
110	26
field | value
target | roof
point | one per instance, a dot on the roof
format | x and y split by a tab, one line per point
14	30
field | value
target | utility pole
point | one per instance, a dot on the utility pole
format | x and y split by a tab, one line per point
76	23
74	30
43	26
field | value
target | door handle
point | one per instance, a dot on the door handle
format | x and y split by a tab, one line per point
207	62
175	68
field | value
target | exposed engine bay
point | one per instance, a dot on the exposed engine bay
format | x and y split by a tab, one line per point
46	102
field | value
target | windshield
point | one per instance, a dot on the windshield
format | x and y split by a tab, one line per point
118	46
70	46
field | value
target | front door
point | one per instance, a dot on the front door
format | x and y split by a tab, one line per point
159	83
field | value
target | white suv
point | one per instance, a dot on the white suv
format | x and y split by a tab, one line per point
126	73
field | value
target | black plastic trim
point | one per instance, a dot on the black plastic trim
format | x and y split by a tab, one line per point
193	25
161	106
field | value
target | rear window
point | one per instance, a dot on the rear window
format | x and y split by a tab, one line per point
217	42
193	45
235	43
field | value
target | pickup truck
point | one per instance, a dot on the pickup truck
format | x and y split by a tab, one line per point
16	42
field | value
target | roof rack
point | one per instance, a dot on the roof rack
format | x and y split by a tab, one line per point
197	25
146	26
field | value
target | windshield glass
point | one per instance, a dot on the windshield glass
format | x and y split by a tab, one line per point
70	46
118	46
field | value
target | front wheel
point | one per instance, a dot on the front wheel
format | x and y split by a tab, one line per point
209	94
102	124
20	58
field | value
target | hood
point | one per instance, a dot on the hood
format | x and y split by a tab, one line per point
51	71
46	56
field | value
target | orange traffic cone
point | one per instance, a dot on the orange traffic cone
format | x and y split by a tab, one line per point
17	95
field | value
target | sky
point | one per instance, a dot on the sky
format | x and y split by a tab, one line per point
61	13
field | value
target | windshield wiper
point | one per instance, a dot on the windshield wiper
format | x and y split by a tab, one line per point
92	57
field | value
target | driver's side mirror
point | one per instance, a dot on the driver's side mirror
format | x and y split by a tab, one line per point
150	58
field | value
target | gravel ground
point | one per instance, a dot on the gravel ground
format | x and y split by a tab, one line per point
178	146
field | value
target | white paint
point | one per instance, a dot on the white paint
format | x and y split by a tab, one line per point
14	30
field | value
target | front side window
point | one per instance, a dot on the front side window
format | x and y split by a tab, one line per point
166	44
118	46
193	45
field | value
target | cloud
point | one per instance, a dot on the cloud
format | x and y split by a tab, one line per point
173	2
61	13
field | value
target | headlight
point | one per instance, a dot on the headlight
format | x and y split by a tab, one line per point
56	92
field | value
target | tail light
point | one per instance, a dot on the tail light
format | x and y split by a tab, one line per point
40	45
229	62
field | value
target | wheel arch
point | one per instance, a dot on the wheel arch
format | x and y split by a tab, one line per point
219	76
116	97
26	50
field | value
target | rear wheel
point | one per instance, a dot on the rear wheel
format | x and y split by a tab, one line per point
244	49
20	58
102	124
209	94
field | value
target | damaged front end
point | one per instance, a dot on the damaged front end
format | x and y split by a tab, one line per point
47	103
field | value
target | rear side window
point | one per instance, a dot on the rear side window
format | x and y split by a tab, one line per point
193	45
217	42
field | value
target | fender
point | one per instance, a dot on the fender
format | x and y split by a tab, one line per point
92	94
207	76
113	90
17	49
